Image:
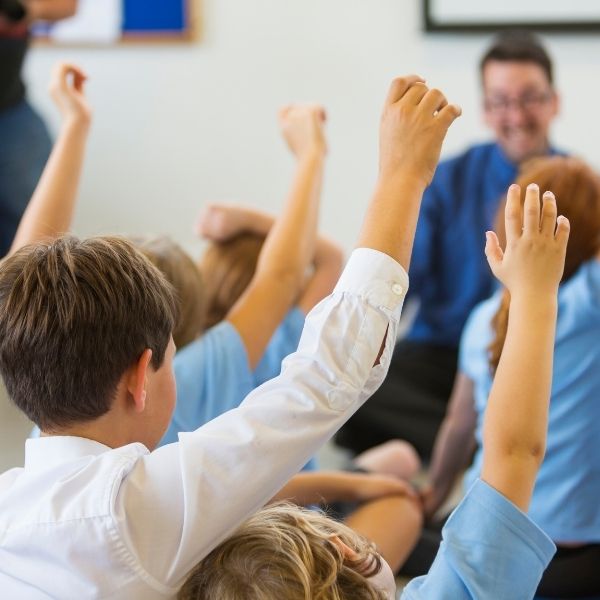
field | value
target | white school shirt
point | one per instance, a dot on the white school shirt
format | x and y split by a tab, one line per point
82	520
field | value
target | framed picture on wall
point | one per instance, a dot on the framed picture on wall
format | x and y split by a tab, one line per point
100	22
476	16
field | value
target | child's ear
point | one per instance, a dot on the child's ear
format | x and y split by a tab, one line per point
136	384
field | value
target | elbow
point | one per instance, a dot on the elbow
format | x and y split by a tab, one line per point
532	452
288	278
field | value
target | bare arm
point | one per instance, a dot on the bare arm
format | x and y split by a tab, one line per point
454	445
221	222
50	210
340	486
289	246
327	268
516	418
49	10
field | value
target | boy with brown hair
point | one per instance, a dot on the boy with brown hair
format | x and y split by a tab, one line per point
86	349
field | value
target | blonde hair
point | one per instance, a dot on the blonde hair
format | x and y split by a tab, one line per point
180	271
227	268
285	552
577	190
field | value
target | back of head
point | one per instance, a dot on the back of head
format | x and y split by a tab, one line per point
577	190
518	46
74	316
227	269
181	272
284	552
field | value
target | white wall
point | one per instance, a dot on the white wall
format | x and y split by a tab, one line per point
178	125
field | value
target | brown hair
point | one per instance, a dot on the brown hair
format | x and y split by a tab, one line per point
518	46
285	552
228	268
74	315
577	191
181	272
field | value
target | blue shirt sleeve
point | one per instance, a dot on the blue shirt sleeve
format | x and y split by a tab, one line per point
212	375
490	549
284	341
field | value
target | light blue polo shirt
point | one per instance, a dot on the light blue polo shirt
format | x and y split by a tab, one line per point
490	549
284	341
566	498
213	375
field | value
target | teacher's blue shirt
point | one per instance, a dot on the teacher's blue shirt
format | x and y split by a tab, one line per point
449	273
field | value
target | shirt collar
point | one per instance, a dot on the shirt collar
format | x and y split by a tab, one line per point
44	452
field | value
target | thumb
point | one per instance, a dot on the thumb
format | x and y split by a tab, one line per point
493	252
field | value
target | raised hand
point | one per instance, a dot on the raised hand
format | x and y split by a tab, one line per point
66	89
302	129
221	222
414	123
536	243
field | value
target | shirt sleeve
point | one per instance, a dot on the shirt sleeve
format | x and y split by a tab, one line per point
490	549
284	341
212	375
180	501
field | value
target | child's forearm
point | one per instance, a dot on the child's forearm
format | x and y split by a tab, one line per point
517	414
49	10
316	487
256	221
289	247
51	208
391	220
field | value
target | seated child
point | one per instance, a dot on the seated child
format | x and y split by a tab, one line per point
50	210
236	236
86	352
382	508
491	549
216	371
565	501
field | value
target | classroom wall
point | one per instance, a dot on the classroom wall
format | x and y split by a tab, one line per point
178	125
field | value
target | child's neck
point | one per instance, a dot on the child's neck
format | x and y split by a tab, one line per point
111	429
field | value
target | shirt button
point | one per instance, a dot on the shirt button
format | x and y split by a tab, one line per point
397	289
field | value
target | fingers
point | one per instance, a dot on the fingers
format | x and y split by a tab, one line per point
548	220
60	77
433	101
563	227
448	114
400	86
415	93
531	209
493	251
513	214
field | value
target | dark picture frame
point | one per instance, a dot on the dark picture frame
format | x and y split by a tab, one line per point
433	22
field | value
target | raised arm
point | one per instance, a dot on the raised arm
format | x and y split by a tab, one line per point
453	447
221	222
289	246
49	10
413	126
51	208
531	267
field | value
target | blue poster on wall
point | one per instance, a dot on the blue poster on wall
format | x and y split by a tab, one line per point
154	16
